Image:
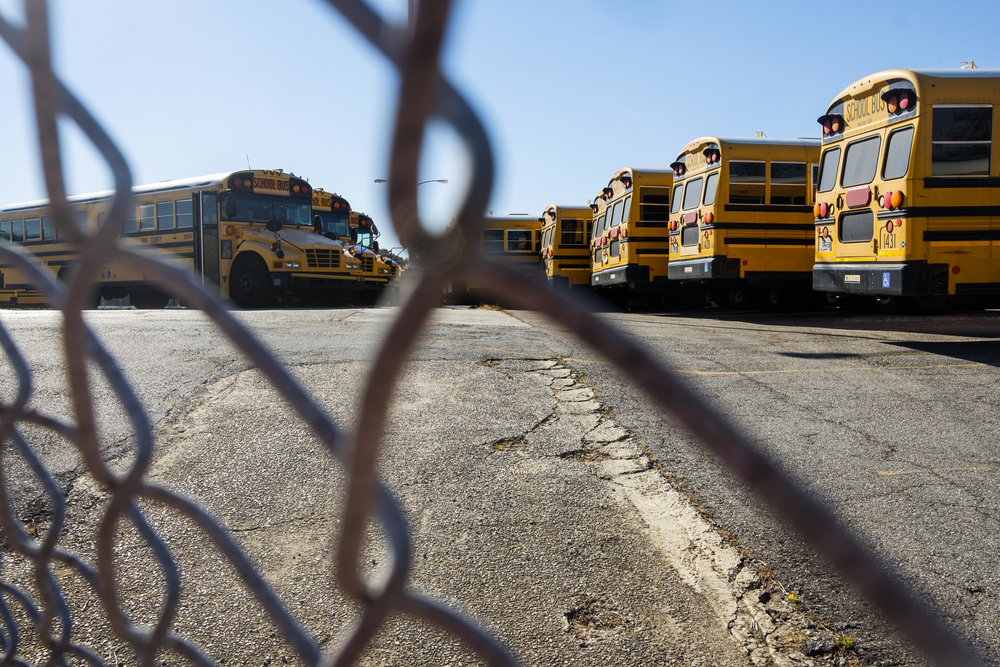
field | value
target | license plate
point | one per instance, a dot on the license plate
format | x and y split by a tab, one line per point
852	278
826	245
688	269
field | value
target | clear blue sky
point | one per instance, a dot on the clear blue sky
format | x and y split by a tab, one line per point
570	91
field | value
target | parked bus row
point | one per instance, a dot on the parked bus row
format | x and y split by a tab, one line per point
255	237
897	203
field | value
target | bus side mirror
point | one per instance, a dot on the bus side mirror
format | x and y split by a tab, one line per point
231	207
354	234
274	225
375	246
318	224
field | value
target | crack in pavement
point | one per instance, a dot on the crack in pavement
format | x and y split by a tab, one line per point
771	625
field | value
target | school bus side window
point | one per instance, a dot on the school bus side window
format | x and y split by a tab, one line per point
130	225
961	140
492	240
628	209
897	154
185	215
165	215
654	203
788	183
146	220
518	240
16	233
5	231
828	169
79	219
32	229
572	231
48	228
746	182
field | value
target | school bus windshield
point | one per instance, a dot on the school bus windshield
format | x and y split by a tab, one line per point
337	224
261	208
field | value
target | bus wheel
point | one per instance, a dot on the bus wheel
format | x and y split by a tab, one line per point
773	299
250	282
738	299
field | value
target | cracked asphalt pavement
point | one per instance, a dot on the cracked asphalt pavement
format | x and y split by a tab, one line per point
546	497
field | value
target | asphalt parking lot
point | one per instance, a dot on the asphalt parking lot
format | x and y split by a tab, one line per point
514	449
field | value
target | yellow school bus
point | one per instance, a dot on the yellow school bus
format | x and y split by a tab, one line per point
361	271
246	236
908	206
741	225
513	240
566	233
630	244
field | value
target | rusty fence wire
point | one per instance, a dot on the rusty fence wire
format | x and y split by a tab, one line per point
424	93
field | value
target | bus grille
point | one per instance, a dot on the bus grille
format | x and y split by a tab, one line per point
322	259
367	264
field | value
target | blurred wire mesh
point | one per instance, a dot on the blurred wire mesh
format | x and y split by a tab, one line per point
425	93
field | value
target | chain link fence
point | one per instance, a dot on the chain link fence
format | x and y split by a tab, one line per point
424	93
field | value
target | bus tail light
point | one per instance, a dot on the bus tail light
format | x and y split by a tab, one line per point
824	210
832	123
607	193
816	210
627	182
679	167
886	200
956	269
888	226
897	199
707	218
826	232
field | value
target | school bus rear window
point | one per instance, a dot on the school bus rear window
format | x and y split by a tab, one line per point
897	154
860	162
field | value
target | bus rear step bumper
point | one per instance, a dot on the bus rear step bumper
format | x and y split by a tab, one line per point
704	268
898	279
620	275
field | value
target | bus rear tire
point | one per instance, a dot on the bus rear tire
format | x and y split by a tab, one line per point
250	283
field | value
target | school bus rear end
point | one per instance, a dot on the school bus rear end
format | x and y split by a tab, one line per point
908	204
630	243
566	231
741	222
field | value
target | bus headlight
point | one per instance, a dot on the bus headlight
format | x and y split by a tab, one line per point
353	267
383	270
291	265
227	250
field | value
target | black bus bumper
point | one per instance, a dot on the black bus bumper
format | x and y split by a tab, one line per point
620	275
290	281
712	268
889	279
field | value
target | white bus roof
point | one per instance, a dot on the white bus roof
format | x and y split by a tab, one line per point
767	140
162	186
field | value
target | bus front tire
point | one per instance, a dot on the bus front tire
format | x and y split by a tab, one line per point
250	283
